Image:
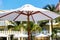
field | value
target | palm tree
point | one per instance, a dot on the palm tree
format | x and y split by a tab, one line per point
50	7
55	32
33	27
16	26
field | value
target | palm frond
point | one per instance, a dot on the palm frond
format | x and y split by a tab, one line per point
50	7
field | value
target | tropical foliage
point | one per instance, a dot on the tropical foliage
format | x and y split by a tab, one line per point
53	8
50	7
17	26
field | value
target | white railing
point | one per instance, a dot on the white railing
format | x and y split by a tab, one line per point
10	32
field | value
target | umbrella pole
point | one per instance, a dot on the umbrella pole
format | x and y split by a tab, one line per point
51	29
21	31
28	28
18	38
21	38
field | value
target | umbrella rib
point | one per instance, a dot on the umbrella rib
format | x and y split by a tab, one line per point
42	13
6	15
21	12
46	15
32	18
35	12
16	17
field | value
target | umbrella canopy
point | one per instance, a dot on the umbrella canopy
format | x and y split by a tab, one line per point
42	35
21	35
36	14
3	35
28	13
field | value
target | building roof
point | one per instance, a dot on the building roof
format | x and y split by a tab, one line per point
58	6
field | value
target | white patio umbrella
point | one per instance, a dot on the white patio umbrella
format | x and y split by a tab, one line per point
4	35
29	13
20	35
42	35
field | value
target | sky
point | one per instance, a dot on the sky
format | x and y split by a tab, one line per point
13	4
